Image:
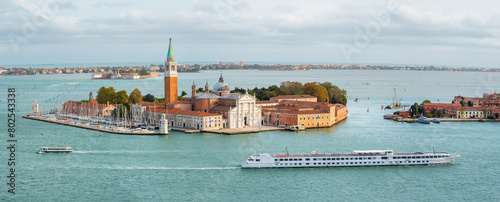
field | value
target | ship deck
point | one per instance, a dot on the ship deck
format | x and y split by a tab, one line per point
353	154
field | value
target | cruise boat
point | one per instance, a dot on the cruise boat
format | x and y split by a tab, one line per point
55	150
358	158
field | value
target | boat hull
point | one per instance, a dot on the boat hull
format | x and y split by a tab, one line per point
348	160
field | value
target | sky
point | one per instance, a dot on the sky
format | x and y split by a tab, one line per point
449	33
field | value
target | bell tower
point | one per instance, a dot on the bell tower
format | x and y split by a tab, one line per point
171	92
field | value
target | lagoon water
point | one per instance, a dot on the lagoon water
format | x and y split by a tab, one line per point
205	166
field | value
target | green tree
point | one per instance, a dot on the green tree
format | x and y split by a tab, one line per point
148	98
274	88
271	94
121	97
135	96
462	102
439	113
426	101
327	85
422	109
414	110
105	95
143	71
91	96
470	103
200	90
183	93
291	87
316	90
337	95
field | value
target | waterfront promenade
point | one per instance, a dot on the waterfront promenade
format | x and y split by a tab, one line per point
409	120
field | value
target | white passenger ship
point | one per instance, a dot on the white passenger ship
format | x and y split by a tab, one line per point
55	150
357	158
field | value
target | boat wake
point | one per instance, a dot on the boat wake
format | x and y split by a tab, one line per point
172	168
112	152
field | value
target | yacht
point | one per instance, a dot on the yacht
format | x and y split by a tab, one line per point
423	120
359	158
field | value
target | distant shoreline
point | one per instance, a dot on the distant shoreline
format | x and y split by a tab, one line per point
231	66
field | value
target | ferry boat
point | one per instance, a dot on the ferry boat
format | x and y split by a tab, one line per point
55	150
358	158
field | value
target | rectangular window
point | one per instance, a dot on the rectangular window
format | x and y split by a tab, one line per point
307	159
307	164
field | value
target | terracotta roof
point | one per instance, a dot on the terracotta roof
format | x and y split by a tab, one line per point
265	102
89	105
222	107
292	96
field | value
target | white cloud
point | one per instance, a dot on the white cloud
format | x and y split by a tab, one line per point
252	31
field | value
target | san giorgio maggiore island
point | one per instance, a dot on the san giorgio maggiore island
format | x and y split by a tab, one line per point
218	111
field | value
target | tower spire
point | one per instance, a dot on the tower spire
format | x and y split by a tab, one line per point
170	55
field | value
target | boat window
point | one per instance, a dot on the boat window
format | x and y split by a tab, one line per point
281	159
341	158
307	159
328	159
295	159
314	159
384	157
307	163
275	159
286	159
257	160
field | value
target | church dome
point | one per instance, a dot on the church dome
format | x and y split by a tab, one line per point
221	86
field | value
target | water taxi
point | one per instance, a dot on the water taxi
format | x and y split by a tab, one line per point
359	158
55	150
297	127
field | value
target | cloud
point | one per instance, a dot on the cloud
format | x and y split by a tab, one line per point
258	30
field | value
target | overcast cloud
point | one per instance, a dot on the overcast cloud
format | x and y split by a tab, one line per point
455	33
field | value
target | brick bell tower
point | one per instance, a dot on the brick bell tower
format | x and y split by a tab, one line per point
171	92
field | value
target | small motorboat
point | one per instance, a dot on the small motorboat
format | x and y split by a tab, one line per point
435	120
356	100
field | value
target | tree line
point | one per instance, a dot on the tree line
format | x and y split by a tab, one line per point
105	95
326	92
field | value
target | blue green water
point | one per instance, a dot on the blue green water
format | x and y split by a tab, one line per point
205	166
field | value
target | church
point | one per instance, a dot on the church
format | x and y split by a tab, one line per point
207	110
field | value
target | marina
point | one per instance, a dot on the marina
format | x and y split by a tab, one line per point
93	126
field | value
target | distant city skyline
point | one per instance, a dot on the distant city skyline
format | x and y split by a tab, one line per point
445	33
